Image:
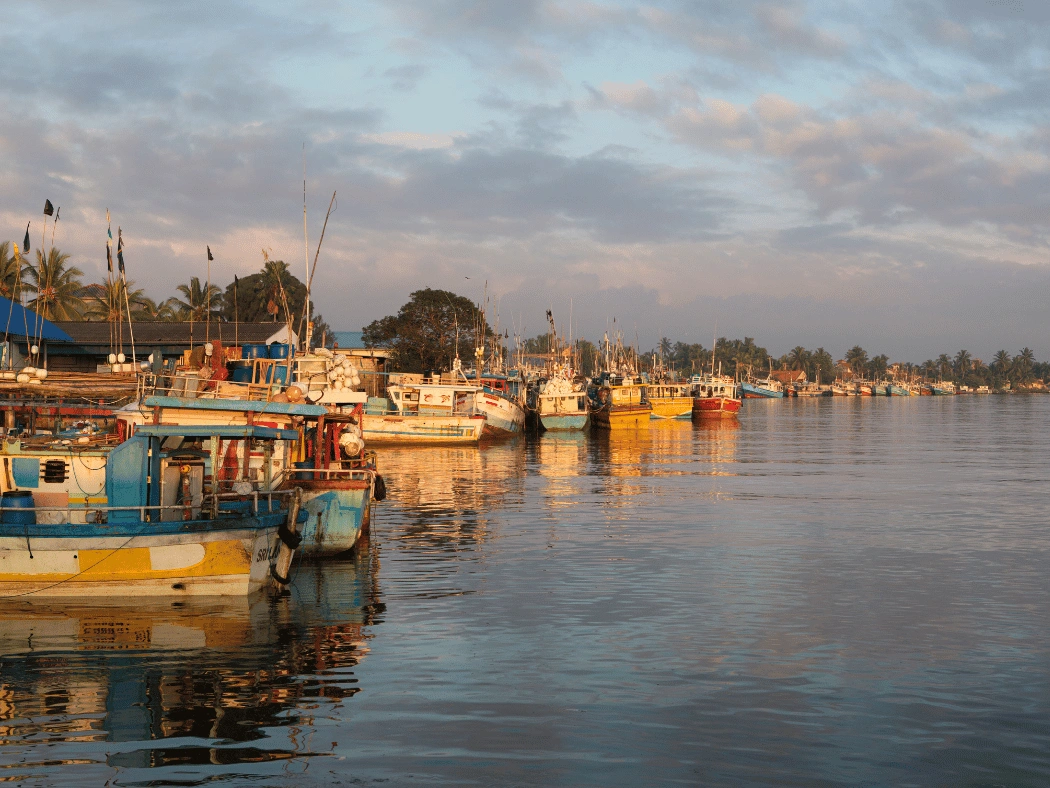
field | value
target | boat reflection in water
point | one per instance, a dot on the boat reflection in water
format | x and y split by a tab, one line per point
160	685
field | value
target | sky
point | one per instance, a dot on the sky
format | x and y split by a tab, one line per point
823	174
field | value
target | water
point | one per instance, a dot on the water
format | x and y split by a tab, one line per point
831	592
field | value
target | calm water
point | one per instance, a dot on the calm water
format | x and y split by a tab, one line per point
831	592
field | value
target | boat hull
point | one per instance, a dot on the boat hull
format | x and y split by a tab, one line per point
751	391
422	429
671	407
337	515
715	408
621	416
503	416
231	562
565	421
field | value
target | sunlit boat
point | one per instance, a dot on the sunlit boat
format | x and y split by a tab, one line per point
671	400
418	412
762	389
620	401
943	389
897	390
498	400
715	397
338	479
161	523
561	403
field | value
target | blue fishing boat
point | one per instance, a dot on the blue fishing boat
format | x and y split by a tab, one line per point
897	390
327	461
166	525
762	389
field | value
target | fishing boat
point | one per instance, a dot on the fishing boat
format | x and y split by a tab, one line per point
896	389
338	479
619	401
715	397
766	388
161	522
671	400
943	389
561	402
499	400
880	389
437	410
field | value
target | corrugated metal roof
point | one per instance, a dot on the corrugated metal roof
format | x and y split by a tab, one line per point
162	333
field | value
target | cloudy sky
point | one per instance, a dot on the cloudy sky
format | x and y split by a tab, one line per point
817	174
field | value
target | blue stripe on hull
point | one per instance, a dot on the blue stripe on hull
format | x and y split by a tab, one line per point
334	520
758	391
573	422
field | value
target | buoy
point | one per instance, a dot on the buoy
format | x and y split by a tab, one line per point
41	373
120	358
112	358
208	348
34	349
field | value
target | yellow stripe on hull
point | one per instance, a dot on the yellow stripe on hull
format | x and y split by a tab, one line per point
618	418
216	567
671	407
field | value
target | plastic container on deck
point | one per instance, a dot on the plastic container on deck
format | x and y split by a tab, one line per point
255	351
242	371
277	350
17	508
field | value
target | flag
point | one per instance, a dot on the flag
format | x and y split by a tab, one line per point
25	242
210	258
235	282
109	227
49	209
120	251
109	258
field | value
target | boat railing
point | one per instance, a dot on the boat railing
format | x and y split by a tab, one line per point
209	502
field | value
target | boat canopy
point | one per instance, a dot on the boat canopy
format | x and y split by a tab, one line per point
213	431
252	406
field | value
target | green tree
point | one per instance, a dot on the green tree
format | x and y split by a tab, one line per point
1023	363
961	364
878	365
55	285
10	271
823	366
798	358
199	300
857	358
153	311
424	332
109	305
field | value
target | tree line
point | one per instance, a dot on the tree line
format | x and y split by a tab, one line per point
54	288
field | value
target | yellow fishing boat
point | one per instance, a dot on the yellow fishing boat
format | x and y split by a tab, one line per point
620	401
671	400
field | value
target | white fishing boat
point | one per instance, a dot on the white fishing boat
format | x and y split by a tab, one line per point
435	410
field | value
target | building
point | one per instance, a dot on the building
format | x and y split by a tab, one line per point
93	341
789	377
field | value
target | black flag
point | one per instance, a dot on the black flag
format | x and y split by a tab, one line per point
210	258
25	243
109	258
120	251
235	282
49	209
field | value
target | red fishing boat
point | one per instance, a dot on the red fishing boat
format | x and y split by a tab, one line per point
715	397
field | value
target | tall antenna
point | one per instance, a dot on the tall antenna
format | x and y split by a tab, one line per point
306	251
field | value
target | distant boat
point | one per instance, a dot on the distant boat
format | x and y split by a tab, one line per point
767	388
897	390
943	389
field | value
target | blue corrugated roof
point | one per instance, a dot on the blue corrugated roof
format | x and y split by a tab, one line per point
18	321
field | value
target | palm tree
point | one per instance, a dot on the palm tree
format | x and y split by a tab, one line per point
274	274
962	363
857	358
110	304
798	357
9	271
198	300
1001	361
929	369
152	311
1023	361
56	287
823	364
878	366
944	366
